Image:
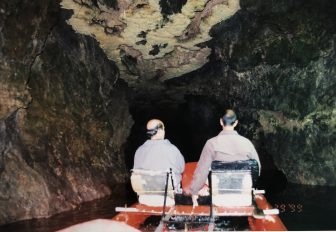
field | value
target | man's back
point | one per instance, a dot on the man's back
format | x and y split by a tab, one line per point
229	146
159	155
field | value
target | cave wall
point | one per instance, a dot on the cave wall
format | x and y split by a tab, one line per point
274	62
63	114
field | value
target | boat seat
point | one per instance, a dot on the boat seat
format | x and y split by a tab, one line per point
231	183
150	187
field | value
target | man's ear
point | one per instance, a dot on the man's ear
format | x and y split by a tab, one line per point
235	123
221	122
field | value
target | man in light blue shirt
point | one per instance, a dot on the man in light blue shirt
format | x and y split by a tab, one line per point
158	154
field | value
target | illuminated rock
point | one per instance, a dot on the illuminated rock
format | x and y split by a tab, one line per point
146	44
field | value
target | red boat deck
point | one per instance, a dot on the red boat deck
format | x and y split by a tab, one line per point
138	213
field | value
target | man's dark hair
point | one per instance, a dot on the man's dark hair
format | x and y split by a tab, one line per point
151	132
229	118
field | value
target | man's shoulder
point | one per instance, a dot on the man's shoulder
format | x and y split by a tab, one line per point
171	147
141	147
144	145
244	138
169	144
245	141
234	135
159	143
210	142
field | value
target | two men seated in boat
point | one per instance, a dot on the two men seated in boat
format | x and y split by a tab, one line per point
232	150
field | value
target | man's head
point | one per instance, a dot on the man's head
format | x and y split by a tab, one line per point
155	129
229	120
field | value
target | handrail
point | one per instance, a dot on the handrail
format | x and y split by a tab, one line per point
165	196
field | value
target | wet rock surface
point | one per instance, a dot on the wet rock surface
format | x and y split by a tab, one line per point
275	63
64	114
65	111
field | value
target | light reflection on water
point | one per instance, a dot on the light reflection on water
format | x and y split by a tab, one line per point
301	207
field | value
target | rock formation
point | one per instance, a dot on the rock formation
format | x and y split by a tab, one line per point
74	72
63	114
275	63
145	43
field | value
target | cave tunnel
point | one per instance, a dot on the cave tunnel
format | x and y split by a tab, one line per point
189	122
80	79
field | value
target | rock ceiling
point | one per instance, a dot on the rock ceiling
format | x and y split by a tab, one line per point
145	43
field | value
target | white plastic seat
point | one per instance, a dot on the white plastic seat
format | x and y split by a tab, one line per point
150	187
231	187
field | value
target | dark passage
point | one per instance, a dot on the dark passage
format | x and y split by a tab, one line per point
189	124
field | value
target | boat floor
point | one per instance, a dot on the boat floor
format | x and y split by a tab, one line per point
259	216
189	210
